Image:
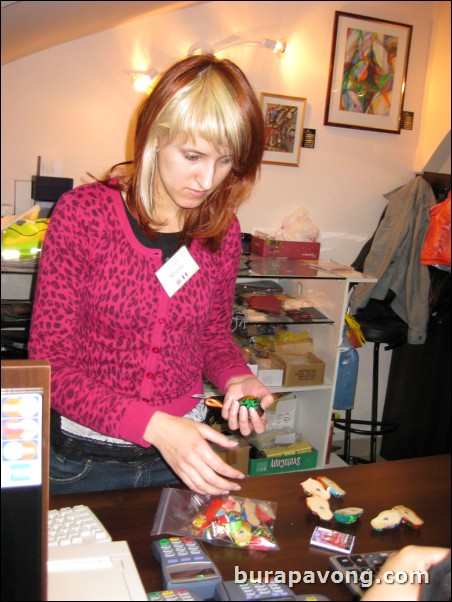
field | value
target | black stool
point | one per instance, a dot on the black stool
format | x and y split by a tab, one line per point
389	331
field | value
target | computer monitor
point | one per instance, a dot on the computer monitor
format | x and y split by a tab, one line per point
24	478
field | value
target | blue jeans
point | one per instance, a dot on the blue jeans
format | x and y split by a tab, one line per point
69	475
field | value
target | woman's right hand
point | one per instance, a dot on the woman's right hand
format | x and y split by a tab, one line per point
184	445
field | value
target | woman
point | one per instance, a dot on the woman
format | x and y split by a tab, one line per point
130	337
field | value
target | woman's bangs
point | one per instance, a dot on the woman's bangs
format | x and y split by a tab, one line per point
215	119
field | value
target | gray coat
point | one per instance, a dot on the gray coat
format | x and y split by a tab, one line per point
394	258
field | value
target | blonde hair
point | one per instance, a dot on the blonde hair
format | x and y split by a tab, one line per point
211	98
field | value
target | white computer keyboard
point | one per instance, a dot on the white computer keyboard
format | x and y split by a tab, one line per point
75	525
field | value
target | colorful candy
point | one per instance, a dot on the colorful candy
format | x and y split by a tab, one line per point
242	522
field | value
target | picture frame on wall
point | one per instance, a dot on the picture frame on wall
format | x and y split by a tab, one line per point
367	76
284	119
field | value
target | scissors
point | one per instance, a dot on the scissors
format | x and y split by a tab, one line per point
248	401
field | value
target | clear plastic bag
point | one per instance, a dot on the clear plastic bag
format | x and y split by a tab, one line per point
226	520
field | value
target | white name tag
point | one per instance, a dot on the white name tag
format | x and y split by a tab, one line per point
177	271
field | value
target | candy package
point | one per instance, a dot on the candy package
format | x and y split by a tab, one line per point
225	520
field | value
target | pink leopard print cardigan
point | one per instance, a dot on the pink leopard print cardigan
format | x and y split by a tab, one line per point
119	347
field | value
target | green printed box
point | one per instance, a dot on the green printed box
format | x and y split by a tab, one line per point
264	466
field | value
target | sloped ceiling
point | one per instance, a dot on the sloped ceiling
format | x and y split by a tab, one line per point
29	27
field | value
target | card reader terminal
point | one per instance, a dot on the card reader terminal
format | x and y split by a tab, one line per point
185	565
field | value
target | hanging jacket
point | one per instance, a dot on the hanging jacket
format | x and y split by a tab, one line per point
394	258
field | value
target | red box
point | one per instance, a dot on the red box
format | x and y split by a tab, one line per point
269	247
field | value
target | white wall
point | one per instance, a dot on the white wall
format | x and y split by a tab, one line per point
75	102
435	122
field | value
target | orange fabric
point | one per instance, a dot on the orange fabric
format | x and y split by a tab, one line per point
436	247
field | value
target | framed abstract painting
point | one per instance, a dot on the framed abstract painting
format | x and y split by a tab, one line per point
284	119
367	77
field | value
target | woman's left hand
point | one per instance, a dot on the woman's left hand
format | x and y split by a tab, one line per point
240	417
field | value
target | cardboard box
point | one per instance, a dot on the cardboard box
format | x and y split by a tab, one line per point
302	370
303	458
266	246
268	370
237	457
271	378
293	463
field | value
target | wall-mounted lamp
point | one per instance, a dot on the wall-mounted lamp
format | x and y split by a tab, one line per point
279	47
142	81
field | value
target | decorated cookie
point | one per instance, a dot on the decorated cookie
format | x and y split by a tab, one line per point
265	512
250	513
248	402
347	516
251	402
409	517
320	507
313	487
388	519
332	487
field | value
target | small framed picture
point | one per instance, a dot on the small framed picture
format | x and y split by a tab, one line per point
367	78
284	119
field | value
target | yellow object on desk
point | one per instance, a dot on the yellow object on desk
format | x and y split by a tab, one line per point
287	450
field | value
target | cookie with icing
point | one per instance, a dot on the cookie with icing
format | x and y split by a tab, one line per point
313	487
332	487
347	516
265	512
251	402
388	519
409	517
250	512
320	507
